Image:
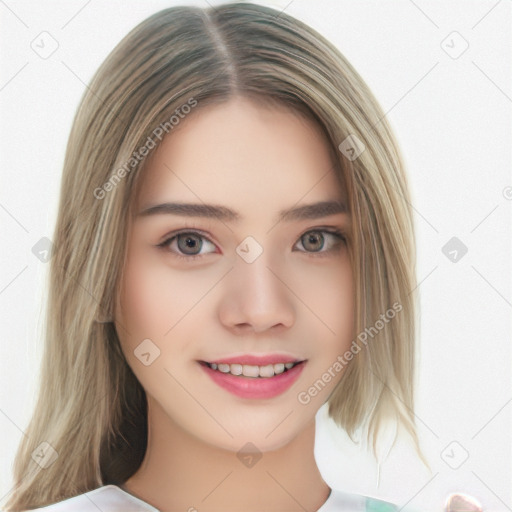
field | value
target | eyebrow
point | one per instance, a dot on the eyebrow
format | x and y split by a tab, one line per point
222	213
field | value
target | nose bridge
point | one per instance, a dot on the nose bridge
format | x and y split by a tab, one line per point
255	294
257	280
252	264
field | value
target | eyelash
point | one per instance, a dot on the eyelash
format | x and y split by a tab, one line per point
340	235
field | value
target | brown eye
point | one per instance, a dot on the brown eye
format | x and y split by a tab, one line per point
321	241
313	241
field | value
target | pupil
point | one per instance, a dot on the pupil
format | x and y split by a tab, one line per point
314	239
190	242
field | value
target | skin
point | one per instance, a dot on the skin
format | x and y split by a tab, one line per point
257	161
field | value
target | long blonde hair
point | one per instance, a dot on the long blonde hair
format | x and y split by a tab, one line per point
89	427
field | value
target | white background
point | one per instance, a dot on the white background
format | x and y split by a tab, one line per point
452	119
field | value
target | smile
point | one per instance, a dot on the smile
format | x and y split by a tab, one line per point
254	381
252	371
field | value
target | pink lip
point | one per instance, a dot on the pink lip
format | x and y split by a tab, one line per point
257	360
250	387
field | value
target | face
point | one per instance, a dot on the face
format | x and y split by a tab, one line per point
255	282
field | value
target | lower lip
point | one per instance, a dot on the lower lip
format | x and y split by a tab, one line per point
251	387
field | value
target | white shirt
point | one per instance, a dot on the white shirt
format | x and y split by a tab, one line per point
111	498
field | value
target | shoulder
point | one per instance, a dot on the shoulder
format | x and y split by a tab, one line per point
108	498
344	502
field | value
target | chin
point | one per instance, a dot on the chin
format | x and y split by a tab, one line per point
269	435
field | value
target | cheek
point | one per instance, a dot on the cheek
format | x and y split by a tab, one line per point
156	304
156	296
142	299
330	322
328	293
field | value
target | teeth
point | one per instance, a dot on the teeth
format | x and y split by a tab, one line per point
267	371
249	370
236	369
278	368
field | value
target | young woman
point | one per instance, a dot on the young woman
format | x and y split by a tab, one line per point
234	248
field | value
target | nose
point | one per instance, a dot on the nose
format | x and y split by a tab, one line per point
255	299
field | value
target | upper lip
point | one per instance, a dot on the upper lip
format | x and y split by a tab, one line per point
256	359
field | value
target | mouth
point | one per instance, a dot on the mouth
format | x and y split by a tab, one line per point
253	371
242	377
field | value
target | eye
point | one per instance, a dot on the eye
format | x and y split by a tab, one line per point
187	244
315	241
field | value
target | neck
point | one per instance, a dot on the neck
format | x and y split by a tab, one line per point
181	472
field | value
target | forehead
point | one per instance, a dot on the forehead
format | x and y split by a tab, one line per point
243	154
